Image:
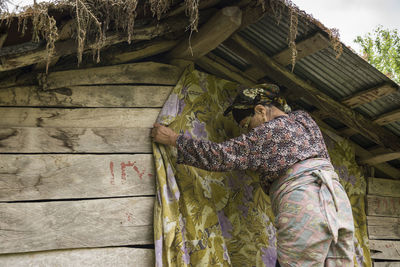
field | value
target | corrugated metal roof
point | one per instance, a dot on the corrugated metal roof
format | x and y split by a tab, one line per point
337	77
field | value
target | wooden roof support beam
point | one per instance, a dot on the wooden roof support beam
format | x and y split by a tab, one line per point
217	66
3	38
68	47
304	48
381	158
359	151
222	25
369	95
322	101
388	117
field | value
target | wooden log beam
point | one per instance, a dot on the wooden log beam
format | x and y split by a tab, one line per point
138	51
383	227
224	22
95	257
383	187
68	47
39	226
304	48
3	38
381	158
369	95
87	96
63	176
217	67
383	206
385	250
75	140
288	79
76	118
135	73
388	117
362	153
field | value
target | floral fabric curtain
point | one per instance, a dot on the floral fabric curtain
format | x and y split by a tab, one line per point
206	218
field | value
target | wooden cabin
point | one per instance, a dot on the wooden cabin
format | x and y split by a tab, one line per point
76	166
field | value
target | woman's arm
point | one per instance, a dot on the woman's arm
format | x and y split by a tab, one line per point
235	154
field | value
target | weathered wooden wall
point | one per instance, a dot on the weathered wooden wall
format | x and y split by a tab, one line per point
383	221
76	170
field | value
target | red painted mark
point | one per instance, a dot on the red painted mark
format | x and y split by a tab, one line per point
129	216
123	169
138	172
150	175
112	181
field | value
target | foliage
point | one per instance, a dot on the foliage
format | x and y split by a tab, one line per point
382	50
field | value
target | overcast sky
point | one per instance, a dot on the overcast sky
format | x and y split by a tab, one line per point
353	17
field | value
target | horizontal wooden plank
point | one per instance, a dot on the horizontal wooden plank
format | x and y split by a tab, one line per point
383	249
57	176
86	96
136	73
41	226
384	187
76	118
387	264
383	206
369	95
96	257
383	227
75	140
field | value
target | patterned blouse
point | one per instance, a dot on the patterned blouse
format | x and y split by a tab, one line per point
270	148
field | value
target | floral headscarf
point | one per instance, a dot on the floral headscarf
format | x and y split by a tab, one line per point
261	94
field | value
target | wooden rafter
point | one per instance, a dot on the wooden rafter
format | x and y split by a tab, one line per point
222	24
322	101
381	158
360	152
369	95
219	67
388	117
304	48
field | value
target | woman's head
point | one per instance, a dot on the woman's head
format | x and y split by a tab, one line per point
256	105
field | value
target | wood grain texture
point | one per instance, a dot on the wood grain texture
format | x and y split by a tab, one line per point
369	95
383	206
76	118
383	187
38	177
388	117
376	159
68	47
41	226
216	30
383	227
304	48
95	257
387	264
383	249
136	73
86	96
75	140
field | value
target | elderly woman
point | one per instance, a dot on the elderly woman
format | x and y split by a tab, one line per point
314	220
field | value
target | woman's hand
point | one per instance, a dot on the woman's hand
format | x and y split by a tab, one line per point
163	135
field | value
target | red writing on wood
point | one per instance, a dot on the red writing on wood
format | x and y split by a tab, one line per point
124	166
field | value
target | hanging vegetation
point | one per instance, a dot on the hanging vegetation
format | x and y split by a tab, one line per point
93	19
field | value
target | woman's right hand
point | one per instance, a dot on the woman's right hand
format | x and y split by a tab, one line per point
163	135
